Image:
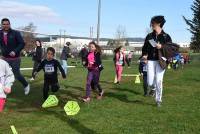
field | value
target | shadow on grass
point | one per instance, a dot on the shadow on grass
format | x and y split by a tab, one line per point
74	87
73	123
107	82
124	98
125	90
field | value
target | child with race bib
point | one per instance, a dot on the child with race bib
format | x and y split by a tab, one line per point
50	67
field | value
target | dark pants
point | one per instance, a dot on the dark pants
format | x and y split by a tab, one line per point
145	84
98	86
15	65
54	88
35	66
92	78
127	61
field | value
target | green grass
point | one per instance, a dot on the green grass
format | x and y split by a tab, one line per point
123	110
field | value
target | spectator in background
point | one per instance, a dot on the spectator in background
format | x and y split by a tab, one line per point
65	55
119	61
83	54
37	57
129	58
12	43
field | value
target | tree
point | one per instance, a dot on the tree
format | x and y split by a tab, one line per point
29	36
127	43
194	25
120	35
110	42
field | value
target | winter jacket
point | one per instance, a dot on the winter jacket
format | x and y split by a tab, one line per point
143	67
15	43
97	62
6	77
65	53
151	51
38	54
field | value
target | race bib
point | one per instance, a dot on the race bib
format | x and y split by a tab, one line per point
49	68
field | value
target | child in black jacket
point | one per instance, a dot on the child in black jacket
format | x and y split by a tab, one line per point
50	67
143	73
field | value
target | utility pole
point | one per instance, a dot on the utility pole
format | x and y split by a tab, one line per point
99	20
64	36
91	33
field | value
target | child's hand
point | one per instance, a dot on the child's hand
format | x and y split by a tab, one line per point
35	73
145	56
7	90
158	46
91	63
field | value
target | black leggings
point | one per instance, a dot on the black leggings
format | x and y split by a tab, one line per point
35	66
54	88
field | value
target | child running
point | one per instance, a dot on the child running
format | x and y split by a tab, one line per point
50	67
119	61
94	66
6	81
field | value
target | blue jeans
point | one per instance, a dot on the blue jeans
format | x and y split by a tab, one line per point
15	65
64	65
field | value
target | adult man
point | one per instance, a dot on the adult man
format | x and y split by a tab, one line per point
65	55
11	43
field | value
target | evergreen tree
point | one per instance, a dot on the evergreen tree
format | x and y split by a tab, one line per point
194	25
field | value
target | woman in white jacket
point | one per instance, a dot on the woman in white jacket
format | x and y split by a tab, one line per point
6	81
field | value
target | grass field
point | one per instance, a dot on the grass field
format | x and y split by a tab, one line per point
123	110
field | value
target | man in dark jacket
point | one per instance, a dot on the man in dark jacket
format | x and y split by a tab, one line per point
83	54
64	55
11	43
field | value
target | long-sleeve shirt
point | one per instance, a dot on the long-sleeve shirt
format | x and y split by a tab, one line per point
6	77
50	69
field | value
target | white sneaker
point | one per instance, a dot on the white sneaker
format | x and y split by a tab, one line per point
27	90
32	79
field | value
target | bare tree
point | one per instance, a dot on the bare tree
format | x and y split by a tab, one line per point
148	30
120	35
29	36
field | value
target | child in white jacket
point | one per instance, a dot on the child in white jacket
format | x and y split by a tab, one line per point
6	81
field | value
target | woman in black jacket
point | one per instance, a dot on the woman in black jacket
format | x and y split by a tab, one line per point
154	42
37	57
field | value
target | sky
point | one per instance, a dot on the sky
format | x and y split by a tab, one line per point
77	16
